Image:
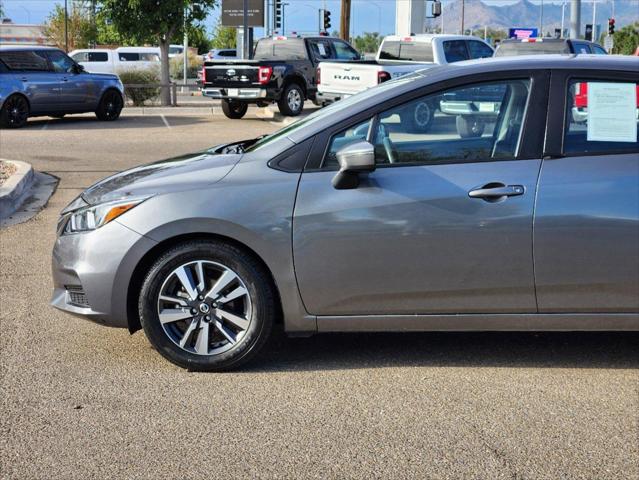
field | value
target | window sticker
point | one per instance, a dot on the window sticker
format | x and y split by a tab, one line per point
612	112
322	49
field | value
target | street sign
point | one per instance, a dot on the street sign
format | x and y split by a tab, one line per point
522	32
233	13
608	43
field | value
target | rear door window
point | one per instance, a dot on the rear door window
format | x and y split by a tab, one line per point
455	51
479	49
321	49
581	47
98	56
129	57
280	49
26	60
602	116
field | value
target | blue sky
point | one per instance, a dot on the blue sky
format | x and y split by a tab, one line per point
302	15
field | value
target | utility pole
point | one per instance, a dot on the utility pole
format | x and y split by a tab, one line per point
594	20
462	18
345	20
563	6
541	19
66	27
575	18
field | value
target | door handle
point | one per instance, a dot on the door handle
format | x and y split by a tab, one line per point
496	191
24	79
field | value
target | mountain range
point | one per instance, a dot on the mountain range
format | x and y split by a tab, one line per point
524	13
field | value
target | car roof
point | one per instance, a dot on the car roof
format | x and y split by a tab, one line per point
546	40
440	73
138	49
429	37
6	48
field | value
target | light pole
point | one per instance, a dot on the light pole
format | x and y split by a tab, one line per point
575	18
462	18
541	19
563	15
66	27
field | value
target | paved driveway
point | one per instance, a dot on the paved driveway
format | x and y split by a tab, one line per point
83	401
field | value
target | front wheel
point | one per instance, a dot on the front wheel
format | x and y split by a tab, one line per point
15	112
110	106
291	103
234	109
207	306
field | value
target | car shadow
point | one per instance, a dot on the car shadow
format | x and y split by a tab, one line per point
609	350
126	121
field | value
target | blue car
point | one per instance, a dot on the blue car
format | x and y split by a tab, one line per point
37	81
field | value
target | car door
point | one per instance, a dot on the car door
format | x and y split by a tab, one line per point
39	83
75	87
444	224
586	233
477	49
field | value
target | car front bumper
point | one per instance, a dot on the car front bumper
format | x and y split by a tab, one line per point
92	272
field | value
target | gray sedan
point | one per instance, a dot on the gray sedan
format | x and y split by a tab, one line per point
348	220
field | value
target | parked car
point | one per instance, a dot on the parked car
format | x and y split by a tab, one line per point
36	81
346	221
117	60
221	54
175	50
282	71
541	46
396	56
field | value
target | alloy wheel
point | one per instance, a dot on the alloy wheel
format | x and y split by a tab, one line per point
17	110
112	104
294	100
204	307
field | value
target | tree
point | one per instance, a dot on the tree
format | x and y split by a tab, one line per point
626	40
198	38
80	29
368	43
158	22
223	37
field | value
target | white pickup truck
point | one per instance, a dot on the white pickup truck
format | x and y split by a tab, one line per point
396	56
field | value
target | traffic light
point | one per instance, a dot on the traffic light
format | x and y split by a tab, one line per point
327	19
611	26
278	14
437	8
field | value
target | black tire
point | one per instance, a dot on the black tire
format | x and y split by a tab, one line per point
110	106
418	119
15	112
258	285
470	126
234	108
291	103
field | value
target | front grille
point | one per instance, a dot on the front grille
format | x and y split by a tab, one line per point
77	296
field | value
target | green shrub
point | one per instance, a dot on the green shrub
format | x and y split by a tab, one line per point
140	76
176	65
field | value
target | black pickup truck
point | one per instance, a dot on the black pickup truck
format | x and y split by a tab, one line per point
282	71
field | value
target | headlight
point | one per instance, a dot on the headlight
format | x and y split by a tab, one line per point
90	218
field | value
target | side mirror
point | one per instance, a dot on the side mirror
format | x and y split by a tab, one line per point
356	158
77	68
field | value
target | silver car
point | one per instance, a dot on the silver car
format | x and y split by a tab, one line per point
348	220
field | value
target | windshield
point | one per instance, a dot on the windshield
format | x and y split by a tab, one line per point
325	113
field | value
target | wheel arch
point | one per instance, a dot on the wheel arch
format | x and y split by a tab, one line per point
299	80
145	263
14	94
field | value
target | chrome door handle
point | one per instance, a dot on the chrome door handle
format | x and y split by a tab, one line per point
495	191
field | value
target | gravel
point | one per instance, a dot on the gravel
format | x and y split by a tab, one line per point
6	170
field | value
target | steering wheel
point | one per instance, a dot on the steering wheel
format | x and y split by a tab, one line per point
387	142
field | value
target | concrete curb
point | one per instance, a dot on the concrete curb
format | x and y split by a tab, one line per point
12	192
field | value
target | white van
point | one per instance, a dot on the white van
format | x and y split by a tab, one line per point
112	61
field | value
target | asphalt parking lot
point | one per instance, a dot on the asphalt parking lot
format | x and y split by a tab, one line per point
83	401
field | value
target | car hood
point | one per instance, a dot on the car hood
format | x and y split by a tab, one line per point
175	174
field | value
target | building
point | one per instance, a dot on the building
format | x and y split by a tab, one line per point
21	34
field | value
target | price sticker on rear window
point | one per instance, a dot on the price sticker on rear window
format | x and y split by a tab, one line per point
612	112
